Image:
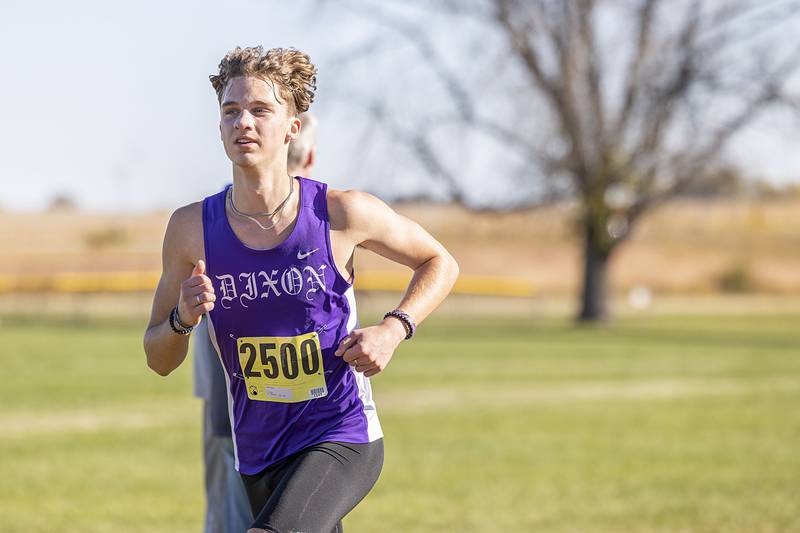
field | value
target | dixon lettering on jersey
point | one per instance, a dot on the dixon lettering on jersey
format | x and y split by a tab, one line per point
251	285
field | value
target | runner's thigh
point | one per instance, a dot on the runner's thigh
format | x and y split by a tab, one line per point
320	486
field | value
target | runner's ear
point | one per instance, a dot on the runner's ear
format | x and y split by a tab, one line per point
294	130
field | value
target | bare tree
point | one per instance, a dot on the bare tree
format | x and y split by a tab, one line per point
631	99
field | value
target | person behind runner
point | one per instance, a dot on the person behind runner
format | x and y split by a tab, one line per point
227	507
269	260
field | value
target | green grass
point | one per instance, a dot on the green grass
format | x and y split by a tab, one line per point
656	424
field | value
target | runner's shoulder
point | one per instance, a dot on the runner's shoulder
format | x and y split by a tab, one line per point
187	215
352	208
184	234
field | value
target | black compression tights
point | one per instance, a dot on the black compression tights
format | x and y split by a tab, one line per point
312	490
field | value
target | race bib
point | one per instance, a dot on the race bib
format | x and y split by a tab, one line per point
282	369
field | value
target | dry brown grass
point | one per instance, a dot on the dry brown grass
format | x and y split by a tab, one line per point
686	246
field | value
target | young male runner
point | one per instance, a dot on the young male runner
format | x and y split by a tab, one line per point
270	260
227	507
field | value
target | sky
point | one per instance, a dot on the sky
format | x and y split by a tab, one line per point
109	103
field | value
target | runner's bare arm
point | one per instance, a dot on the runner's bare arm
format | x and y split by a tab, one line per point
182	282
372	224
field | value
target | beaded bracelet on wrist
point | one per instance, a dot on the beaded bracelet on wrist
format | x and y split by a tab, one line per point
404	319
176	324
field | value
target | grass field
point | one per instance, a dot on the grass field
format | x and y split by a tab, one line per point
657	424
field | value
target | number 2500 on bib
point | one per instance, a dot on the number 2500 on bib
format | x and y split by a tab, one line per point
282	369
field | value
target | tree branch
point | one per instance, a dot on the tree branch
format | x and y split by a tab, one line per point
427	51
641	51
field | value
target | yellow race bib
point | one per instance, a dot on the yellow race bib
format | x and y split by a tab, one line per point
282	369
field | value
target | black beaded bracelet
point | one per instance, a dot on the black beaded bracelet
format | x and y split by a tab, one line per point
408	324
176	324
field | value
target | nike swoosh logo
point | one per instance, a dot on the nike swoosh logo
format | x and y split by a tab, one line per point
301	255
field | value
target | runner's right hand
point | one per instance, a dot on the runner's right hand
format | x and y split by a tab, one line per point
197	296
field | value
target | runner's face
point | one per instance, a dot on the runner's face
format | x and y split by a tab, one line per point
255	126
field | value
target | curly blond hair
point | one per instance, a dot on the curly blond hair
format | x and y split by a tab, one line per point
290	70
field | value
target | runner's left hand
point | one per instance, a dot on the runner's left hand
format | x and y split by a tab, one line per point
369	350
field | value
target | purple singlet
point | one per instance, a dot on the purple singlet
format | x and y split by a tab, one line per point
279	316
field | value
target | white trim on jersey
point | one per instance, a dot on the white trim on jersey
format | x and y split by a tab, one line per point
213	335
374	430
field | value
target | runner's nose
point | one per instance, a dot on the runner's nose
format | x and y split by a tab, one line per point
244	122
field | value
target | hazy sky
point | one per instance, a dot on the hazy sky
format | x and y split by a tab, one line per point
109	102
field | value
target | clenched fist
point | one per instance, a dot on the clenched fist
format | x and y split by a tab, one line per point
197	296
370	349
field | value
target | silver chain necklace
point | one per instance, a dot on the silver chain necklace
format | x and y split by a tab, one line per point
252	216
